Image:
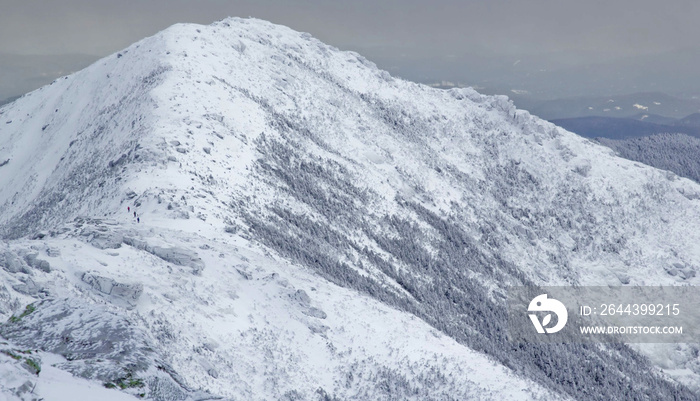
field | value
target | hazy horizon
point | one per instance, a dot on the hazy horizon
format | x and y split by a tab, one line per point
623	28
540	49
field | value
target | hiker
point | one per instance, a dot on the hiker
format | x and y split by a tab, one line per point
138	219
128	208
134	213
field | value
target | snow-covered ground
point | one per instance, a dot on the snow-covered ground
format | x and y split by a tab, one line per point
310	226
248	326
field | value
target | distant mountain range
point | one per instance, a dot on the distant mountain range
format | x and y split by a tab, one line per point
20	73
548	76
673	152
9	100
636	126
612	106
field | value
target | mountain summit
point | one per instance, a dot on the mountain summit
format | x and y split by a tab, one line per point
310	227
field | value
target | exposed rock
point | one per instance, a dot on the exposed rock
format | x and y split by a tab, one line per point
681	270
12	263
119	161
6	300
302	297
33	260
314	312
137	243
180	256
127	292
27	287
245	274
20	368
53	252
24	391
108	240
174	255
32	364
318	328
98	343
686	273
40	235
624	278
305	301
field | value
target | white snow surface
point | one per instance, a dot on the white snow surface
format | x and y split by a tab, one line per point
170	127
244	319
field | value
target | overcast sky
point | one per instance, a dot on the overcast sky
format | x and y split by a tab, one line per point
100	27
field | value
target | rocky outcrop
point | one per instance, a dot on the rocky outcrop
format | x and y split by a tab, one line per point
12	263
128	293
98	343
174	255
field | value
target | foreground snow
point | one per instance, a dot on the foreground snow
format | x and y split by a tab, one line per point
258	328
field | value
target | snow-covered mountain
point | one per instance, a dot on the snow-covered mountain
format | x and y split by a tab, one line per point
312	228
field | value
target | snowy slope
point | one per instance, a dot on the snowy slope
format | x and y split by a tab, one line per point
247	327
312	226
19	383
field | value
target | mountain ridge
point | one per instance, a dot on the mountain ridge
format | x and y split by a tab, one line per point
252	141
